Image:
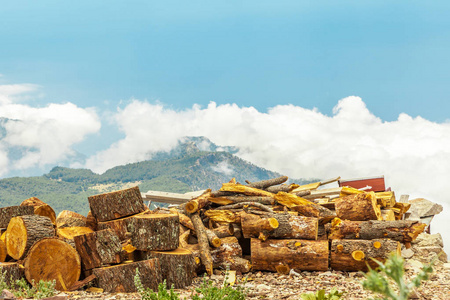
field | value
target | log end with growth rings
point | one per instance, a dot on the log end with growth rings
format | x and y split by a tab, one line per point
377	245
358	255
283	268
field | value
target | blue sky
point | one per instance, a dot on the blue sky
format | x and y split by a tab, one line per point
255	53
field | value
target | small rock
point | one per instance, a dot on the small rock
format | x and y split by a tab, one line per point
7	295
263	286
407	253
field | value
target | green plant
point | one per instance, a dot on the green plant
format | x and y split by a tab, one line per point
320	295
209	292
388	278
148	294
21	289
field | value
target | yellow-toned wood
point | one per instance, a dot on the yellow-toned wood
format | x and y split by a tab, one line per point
283	269
385	199
291	200
221	216
243	189
309	186
220	200
388	215
358	255
70	232
3	251
3	237
340	248
376	244
346	190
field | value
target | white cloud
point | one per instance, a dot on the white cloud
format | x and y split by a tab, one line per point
412	153
224	167
46	133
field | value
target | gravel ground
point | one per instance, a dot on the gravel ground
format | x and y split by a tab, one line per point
265	285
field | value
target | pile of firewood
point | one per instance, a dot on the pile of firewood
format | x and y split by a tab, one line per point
266	225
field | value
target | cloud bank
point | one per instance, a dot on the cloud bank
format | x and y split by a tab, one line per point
38	136
412	153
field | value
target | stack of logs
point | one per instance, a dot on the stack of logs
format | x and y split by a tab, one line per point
266	225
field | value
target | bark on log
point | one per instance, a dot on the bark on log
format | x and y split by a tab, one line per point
297	254
91	222
354	255
246	190
40	208
120	278
402	231
24	231
7	213
198	203
305	207
184	219
295	227
67	218
246	204
358	207
154	231
177	266
264	184
281	188
205	254
224	230
53	259
12	270
119	226
114	205
230	248
254	226
98	248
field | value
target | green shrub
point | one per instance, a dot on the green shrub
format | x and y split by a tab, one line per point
21	289
148	294
320	295
388	278
209	292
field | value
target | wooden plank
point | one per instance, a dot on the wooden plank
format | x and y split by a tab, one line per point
171	198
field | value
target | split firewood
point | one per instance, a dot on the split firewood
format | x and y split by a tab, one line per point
354	255
13	271
243	204
315	194
114	205
177	266
119	278
67	218
238	199
98	248
314	185
202	236
400	209
387	215
264	184
7	213
24	231
385	199
40	208
402	231
199	202
223	216
246	190
358	207
296	254
64	266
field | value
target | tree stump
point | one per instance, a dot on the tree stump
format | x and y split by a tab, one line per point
402	231
302	255
120	278
24	231
177	266
12	271
53	259
154	231
354	255
115	205
7	213
358	207
98	248
40	208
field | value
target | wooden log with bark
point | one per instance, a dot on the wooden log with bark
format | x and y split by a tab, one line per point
264	184
198	203
402	231
205	254
120	278
98	248
246	190
53	259
154	231
224	230
115	205
295	227
358	207
12	270
226	200
177	266
354	255
40	208
254	226
119	226
7	213
296	254
67	218
91	221
24	231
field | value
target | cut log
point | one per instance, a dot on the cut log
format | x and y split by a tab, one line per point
295	227
24	231
119	226
91	222
223	216
120	278
282	188
305	207
238	199
402	231
358	207
52	259
68	233
205	254
230	248
246	190
264	184
254	226
354	255
40	208
12	270
235	263
154	231
184	220
224	230
198	203
245	205
68	218
177	266
98	248
114	205
7	213
3	251
297	254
